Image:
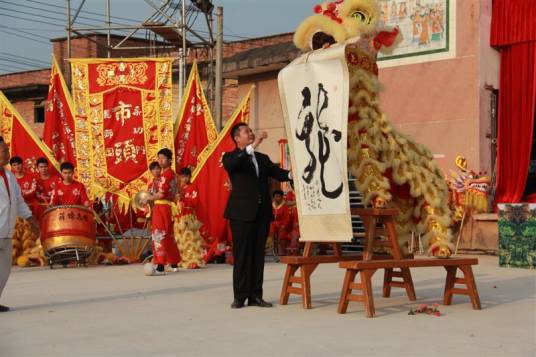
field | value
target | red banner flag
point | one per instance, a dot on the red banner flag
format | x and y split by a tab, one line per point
214	185
59	133
195	128
123	111
21	139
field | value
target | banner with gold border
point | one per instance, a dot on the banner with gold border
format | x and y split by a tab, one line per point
195	129
21	138
123	116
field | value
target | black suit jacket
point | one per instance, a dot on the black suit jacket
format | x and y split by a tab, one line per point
250	195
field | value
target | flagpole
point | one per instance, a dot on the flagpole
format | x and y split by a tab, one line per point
219	68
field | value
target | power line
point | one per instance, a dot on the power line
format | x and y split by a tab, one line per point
51	11
26	37
19	61
31	20
27	59
33	39
9	64
41	16
33	28
83	11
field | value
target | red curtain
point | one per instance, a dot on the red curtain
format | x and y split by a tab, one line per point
514	31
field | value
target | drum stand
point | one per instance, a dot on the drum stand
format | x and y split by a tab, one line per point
63	256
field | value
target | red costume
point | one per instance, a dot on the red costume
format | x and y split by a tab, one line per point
45	187
188	201
290	199
69	194
28	188
187	229
165	249
281	226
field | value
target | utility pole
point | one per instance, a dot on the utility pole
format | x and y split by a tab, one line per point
182	51
68	71
108	43
219	69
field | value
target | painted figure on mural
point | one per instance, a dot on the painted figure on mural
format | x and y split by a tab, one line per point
402	11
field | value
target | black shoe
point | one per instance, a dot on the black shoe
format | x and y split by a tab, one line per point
237	304
4	308
258	302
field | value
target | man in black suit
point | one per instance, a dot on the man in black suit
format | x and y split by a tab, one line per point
249	210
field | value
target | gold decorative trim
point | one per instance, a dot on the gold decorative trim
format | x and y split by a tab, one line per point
157	126
67	241
243	109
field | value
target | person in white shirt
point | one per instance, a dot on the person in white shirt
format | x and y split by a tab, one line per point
11	205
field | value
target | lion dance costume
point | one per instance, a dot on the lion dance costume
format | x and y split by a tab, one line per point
391	169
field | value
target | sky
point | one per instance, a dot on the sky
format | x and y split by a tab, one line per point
26	26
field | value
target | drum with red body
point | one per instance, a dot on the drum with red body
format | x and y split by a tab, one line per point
64	227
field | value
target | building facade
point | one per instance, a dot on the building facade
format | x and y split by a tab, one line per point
440	85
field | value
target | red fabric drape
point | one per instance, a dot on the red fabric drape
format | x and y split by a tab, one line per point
516	120
513	29
513	21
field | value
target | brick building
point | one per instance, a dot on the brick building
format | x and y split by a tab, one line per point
444	99
28	90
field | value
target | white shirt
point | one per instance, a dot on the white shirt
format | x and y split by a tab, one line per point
11	208
251	152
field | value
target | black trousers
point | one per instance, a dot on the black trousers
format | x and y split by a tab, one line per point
249	241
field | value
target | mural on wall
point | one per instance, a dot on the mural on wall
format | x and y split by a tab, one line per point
424	25
517	235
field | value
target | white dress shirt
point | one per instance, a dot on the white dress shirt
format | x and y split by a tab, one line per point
251	152
12	207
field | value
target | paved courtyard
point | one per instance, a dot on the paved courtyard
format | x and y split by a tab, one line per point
110	311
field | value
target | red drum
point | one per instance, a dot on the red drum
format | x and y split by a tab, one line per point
64	227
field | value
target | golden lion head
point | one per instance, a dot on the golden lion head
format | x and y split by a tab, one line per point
336	22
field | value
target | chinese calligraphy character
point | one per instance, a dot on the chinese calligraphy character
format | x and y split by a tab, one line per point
124	151
122	112
318	138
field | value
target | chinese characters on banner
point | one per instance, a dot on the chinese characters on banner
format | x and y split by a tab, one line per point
123	117
195	128
21	139
123	134
314	93
58	133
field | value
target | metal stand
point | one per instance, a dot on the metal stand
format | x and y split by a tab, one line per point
65	255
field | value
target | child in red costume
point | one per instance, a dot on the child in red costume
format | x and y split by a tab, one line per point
281	225
290	201
187	225
163	189
68	191
46	183
27	183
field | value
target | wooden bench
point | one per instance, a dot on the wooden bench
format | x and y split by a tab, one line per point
307	263
366	270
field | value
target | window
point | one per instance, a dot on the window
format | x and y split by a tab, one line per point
39	112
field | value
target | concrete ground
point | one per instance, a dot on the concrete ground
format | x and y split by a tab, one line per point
110	311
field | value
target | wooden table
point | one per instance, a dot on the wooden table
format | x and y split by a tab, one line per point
306	264
368	263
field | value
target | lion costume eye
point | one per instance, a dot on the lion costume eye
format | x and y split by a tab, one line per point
362	16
